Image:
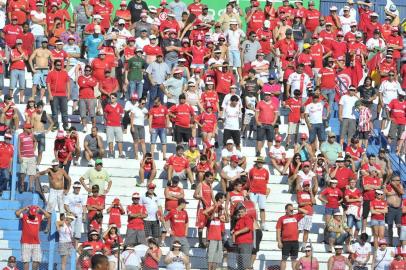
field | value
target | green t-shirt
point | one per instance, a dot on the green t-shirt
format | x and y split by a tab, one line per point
135	66
97	178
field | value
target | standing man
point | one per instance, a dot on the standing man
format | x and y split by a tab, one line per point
26	157
57	188
234	35
266	116
75	203
231	115
346	115
58	85
158	122
157	73
314	120
113	113
18	56
393	192
6	158
287	235
179	221
97	176
183	115
39	62
135	228
30	241
243	237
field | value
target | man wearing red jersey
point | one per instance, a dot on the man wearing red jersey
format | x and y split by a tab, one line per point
387	66
328	35
26	156
18	56
370	183
312	16
255	18
99	65
243	237
94	203
224	80
196	8
305	201
158	122
178	165
7	151
358	52
266	116
113	114
258	178
379	207
183	115
87	99
179	222
30	242
135	229
398	263
326	82
59	53
294	105
353	201
287	235
10	32
397	109
342	174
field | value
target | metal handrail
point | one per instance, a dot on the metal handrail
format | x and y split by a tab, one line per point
14	177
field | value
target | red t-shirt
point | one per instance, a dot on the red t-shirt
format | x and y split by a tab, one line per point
28	41
398	111
397	265
179	163
195	8
369	195
115	216
113	115
30	229
198	54
96	245
403	220
343	177
7	151
109	84
64	148
248	237
10	34
152	50
86	87
104	11
306	59
378	205
183	114
258	180
96	201
312	19
257	20
328	78
395	40
99	66
136	223
355	154
212	97
304	197
295	106
338	48
286	46
58	81
208	121
19	64
289	227
59	55
178	220
18	8
353	194
317	51
223	81
332	195
267	112
26	142
172	204
158	115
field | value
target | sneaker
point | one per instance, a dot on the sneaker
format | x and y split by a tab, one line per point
75	163
258	154
122	156
90	163
84	130
202	245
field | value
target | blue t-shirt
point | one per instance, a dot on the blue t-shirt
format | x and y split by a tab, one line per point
92	43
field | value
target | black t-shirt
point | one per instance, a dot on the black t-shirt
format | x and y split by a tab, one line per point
136	8
366	93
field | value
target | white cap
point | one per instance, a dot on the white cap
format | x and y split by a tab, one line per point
152	36
346	8
233	21
230	141
191	82
358	34
97	16
378	191
338	247
333	8
121	21
337	214
401	92
333	181
55	162
373	14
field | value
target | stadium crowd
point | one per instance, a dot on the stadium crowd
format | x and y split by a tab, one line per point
212	84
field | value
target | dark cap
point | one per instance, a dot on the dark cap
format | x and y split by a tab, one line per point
181	200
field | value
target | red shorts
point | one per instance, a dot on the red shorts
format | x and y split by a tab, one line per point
201	220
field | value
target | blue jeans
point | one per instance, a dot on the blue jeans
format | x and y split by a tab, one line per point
158	132
4	179
319	131
60	105
38	41
329	94
351	222
338	240
154	92
135	86
17	75
172	64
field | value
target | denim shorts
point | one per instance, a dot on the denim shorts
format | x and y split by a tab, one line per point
331	211
235	58
40	77
375	222
158	132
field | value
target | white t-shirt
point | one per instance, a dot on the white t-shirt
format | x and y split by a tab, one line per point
133	257
2	18
361	251
139	115
384	258
233	38
212	60
36	29
305	177
375	42
75	202
231	117
300	82
277	152
129	106
151	204
232	172
346	23
140	43
227	154
348	103
315	112
389	91
226	100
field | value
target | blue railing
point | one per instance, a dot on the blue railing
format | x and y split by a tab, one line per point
14	177
52	242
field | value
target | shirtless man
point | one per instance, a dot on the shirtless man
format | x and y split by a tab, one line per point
39	119
43	63
57	188
394	191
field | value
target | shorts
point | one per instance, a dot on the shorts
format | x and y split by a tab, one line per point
138	132
65	248
363	135
87	106
1	81
290	249
185	244
331	211
348	128
182	134
293	128
201	220
77	227
201	66
40	77
394	215
31	252
384	113
305	223
375	222
158	132
114	133
232	134
395	131
215	251
265	132
259	199
248	119
56	197
366	206
257	241
40	138
17	76
319	131
244	252
181	175
134	237
402	233
28	166
234	57
152	228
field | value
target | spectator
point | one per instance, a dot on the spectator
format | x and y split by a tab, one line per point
26	157
157	71
154	213
97	176
39	119
278	157
230	173
11	263
63	150
346	115
7	150
135	229
360	252
75	205
306	174
100	262
31	217
331	149
370	184
158	122
332	197
113	113
383	256
338	260
17	69
87	99
338	231
397	116
176	259
231	115
64	228
178	165
393	192
243	237
314	120
305	201
132	256
183	117
10	111
93	146
112	238
353	199
378	207
384	162
179	225
266	116
388	91
153	255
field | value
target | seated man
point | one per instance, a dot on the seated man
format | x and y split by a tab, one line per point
338	231
230	173
9	113
93	147
74	137
372	162
277	153
178	165
331	149
231	150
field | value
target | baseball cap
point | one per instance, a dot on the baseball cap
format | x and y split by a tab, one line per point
340	159
230	141
338	247
27	126
358	34
14	17
331	134
77	184
93	232
59	42
378	191
333	181
19	41
98	161
116	201
97	16
382	241
181	200
123	3
136	195
72	37
306	183
333	8
373	14
337	214
278	138
233	21
134	96
346	8
152	37
306	46
306	163
151	186
234	158
260	160
55	162
121	21
32	210
8	136
288	32
303	136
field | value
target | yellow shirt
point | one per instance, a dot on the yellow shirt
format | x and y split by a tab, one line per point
192	157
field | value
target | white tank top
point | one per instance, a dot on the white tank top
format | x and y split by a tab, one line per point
383	259
65	233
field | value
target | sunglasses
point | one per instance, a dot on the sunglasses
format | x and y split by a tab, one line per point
58	65
88	70
142	103
112	97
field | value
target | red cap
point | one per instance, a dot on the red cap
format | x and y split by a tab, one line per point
54	4
340	33
32	211
159	54
382	241
255	4
134	96
315	36
151	186
116	201
278	138
14	17
394	29
303	136
306	183
27	125
192	142
123	3
178	71
163	2
234	158
130	39
197	70
60	134
306	163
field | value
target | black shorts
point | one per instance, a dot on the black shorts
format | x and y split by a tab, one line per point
365	209
363	135
290	249
182	134
394	215
258	238
232	134
265	132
